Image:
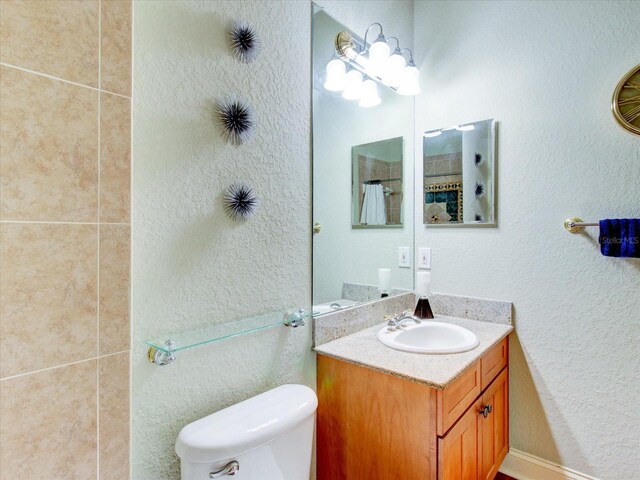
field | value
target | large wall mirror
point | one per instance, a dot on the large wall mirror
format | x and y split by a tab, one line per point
362	186
459	175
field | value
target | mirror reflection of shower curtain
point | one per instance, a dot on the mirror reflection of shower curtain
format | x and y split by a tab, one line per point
374	211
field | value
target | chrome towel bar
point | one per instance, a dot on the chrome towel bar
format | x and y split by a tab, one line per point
575	224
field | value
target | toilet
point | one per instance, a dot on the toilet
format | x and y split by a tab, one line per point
267	437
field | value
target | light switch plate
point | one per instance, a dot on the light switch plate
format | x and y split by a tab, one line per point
424	257
404	257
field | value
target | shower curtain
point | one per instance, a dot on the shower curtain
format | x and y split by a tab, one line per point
374	211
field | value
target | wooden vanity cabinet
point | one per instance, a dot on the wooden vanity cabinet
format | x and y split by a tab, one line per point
371	425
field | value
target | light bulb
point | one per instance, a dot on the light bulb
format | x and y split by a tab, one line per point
379	50
336	76
394	69
378	55
409	84
353	87
369	96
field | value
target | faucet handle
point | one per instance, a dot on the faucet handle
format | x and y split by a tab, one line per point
392	321
407	313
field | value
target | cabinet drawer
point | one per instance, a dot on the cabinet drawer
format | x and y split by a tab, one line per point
456	398
492	362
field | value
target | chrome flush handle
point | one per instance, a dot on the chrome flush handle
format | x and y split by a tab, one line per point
228	470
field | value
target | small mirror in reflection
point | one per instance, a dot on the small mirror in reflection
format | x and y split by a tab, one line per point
377	184
459	175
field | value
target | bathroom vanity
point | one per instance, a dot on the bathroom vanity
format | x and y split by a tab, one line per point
388	414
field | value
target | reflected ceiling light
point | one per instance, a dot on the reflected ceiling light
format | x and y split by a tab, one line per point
433	134
353	85
369	96
336	76
465	128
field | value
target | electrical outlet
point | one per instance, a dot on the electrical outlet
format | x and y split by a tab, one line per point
424	257
404	257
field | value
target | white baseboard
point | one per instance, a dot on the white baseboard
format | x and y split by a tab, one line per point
523	466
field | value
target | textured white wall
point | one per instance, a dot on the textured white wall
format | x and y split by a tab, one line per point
396	16
191	265
341	253
546	72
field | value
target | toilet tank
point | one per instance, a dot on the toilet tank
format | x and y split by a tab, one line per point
269	435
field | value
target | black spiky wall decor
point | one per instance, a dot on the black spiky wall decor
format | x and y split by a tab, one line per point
478	160
240	202
236	119
481	190
243	41
479	217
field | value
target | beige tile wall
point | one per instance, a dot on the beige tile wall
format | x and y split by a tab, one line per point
65	109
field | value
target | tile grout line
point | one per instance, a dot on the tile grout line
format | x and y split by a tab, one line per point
99	236
130	245
63	365
40	222
51	77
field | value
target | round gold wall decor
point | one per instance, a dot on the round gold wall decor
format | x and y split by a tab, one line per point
626	101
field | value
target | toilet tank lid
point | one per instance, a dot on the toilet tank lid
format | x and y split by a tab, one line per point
246	425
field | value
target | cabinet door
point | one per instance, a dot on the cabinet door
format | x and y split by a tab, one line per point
494	427
373	426
458	449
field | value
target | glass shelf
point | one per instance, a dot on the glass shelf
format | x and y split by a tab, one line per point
162	350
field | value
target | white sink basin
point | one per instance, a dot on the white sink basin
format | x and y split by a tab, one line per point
430	337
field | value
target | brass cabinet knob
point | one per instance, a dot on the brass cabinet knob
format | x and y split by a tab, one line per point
317	227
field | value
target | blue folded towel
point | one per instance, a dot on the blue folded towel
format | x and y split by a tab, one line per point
620	237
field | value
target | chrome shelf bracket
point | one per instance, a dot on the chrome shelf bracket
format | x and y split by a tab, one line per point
160	357
295	319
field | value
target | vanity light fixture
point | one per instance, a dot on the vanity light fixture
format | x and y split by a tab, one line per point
375	62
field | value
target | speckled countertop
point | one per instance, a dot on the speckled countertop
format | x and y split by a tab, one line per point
437	371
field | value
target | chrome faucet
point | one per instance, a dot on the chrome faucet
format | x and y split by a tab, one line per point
396	321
